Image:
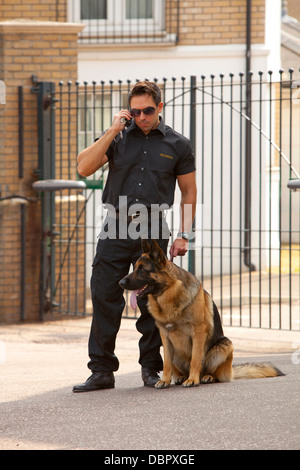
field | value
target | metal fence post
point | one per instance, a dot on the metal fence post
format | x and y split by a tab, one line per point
191	255
46	170
248	144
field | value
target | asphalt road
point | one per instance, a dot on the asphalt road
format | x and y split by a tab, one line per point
39	411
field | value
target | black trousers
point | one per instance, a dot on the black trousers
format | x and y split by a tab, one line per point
112	262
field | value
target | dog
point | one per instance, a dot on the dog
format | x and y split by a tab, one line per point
195	348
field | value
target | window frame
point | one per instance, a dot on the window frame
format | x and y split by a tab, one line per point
117	23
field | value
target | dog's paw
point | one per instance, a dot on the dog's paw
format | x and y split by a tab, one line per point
179	380
191	383
163	384
208	379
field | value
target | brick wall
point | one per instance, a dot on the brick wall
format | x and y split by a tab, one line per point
10	256
48	50
46	10
201	22
294	8
220	22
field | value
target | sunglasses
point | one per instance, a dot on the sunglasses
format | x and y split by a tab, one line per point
149	111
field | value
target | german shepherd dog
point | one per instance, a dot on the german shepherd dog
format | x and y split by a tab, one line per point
195	348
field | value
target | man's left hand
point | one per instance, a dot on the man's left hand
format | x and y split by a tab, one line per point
179	247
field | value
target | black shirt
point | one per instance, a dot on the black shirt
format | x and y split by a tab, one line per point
144	167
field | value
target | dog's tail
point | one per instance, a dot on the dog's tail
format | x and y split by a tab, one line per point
255	371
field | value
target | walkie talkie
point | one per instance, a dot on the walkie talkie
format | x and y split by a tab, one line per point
127	121
127	124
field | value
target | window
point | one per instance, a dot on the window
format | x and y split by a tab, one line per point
139	9
97	9
119	20
93	9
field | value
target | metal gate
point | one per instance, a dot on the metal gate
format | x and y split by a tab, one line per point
246	248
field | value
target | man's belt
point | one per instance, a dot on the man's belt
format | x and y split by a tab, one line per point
137	214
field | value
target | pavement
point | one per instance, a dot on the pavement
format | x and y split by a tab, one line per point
40	362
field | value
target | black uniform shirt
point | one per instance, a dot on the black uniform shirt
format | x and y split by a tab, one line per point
144	167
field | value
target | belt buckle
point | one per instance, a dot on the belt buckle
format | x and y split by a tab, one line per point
135	216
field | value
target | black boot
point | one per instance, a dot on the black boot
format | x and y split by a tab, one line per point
97	381
150	377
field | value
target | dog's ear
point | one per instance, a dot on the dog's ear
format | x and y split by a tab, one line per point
146	246
157	254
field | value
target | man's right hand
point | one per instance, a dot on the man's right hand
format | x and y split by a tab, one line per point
117	124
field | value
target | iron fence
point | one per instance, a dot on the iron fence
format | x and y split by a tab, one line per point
246	247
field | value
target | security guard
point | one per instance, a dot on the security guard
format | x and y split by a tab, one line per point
145	161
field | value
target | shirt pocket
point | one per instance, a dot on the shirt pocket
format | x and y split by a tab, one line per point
162	162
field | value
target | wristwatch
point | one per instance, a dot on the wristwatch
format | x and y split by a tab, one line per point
184	235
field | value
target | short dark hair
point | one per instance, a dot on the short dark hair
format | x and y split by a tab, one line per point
146	88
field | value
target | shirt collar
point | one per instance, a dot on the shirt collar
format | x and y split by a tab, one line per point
161	126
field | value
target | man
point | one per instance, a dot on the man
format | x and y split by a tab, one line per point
145	161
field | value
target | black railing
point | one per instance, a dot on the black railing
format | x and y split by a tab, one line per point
126	21
258	290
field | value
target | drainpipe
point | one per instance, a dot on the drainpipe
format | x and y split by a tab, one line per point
247	251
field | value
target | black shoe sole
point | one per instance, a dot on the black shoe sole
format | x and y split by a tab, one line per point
151	385
104	387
